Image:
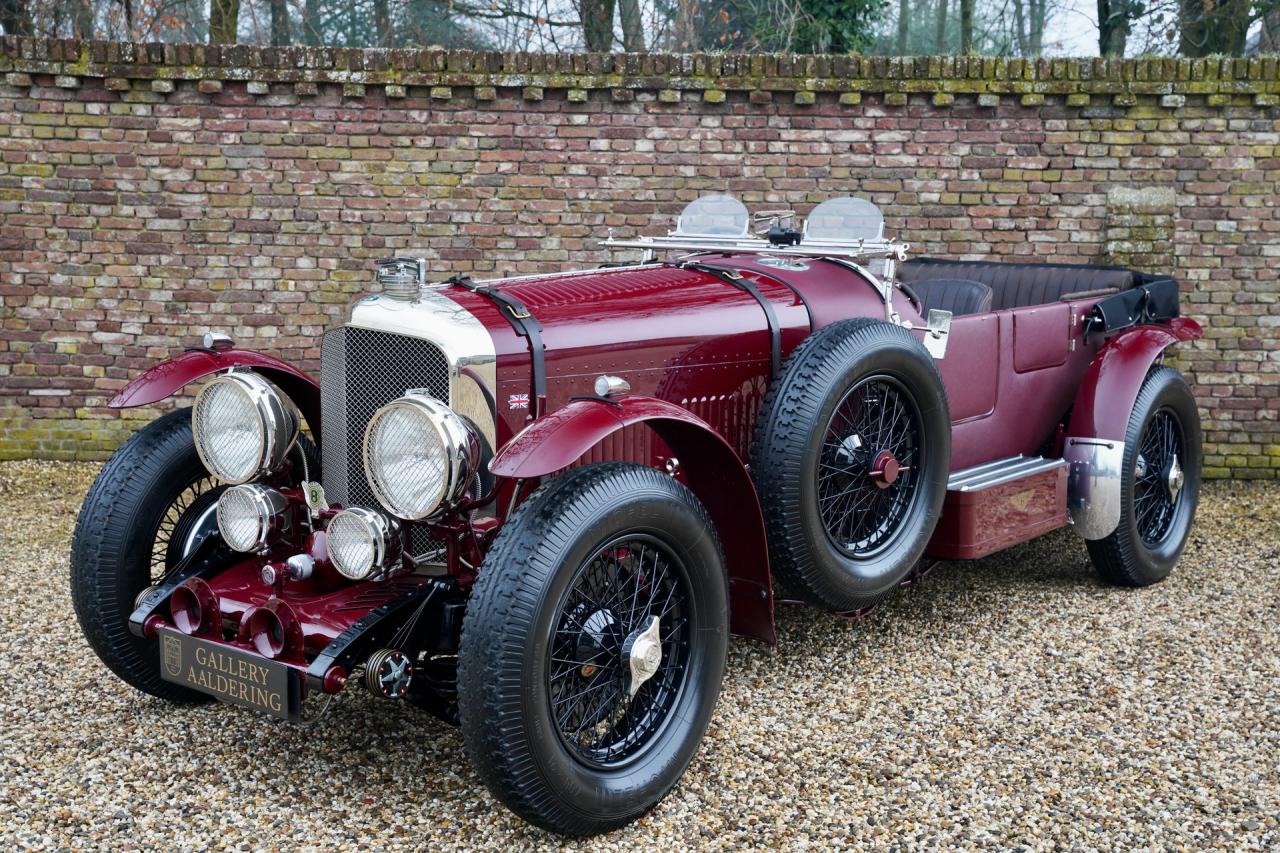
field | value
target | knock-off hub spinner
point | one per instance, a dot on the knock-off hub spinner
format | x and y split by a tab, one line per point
643	650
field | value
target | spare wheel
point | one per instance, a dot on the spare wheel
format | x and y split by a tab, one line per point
851	458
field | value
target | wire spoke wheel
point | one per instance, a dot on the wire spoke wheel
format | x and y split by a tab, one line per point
601	715
593	647
1159	484
189	516
868	470
1158	477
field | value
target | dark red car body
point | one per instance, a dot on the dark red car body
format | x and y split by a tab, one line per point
696	354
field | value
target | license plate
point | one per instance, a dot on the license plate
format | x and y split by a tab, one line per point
230	674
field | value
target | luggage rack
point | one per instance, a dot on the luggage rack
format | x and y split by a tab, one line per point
853	250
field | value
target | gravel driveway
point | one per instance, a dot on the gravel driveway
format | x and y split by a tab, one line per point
1009	703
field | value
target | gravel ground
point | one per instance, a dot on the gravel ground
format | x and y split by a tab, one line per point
1009	703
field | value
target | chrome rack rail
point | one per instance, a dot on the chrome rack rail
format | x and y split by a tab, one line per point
852	250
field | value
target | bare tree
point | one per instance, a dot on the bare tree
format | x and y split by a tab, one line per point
632	26
82	19
1269	39
280	22
966	26
597	24
1214	26
940	29
1114	26
15	20
1028	20
382	23
903	26
224	21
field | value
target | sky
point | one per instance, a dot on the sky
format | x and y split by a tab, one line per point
1072	30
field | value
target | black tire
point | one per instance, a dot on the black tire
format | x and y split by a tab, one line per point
1155	521
137	520
812	485
115	537
526	607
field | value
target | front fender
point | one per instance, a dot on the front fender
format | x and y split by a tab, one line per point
710	466
172	375
1094	446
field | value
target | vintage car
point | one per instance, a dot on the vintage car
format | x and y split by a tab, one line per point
538	506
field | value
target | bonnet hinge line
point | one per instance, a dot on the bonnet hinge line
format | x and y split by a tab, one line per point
526	326
738	280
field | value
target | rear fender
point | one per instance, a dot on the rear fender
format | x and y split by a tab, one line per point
172	375
710	466
1094	446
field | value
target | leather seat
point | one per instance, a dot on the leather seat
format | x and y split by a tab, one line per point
1018	285
957	295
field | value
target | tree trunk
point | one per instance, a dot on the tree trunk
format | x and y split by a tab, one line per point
597	24
966	27
280	22
82	19
224	21
1036	34
311	23
1270	39
940	29
686	15
632	26
903	24
14	19
382	23
1113	27
1020	29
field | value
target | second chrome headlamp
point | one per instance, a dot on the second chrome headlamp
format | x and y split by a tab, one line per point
419	456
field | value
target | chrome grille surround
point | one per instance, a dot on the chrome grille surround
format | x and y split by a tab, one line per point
386	348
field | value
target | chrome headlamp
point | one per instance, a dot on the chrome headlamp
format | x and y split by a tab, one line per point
363	543
419	456
243	427
248	516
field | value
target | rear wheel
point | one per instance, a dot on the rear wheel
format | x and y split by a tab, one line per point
593	648
1159	486
851	460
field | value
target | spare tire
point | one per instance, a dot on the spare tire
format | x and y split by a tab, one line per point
851	458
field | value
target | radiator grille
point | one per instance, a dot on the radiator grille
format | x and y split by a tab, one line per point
362	370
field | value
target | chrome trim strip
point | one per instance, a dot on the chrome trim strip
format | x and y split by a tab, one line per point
1000	472
956	478
464	340
553	275
1094	485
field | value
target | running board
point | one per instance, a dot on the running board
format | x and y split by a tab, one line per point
999	472
1000	503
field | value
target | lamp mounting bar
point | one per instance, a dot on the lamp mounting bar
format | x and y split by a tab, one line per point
853	249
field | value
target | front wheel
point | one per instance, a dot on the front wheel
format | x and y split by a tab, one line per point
593	648
146	510
1159	485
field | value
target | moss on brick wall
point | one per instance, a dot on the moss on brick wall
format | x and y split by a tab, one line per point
151	192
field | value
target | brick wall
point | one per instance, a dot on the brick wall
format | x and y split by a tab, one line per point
151	192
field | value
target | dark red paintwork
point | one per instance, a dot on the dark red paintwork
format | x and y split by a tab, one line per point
1109	387
696	353
975	524
172	375
319	611
706	463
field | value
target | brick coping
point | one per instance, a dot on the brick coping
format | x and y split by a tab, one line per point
1224	80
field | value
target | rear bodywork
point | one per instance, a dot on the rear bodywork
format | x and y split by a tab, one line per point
1040	392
